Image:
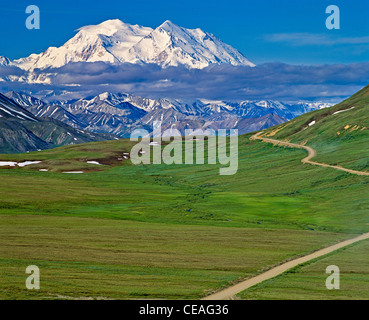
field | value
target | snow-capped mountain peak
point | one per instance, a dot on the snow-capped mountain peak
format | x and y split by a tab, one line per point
114	41
172	45
168	25
116	36
107	42
110	27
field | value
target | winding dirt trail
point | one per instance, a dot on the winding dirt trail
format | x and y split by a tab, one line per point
235	289
230	292
311	154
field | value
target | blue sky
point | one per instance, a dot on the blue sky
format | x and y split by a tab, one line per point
263	30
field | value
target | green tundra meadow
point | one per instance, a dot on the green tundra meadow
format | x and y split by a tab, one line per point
121	231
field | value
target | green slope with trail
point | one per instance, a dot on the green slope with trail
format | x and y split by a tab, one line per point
339	134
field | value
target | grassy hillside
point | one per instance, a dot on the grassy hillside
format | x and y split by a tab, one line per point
341	137
340	133
179	231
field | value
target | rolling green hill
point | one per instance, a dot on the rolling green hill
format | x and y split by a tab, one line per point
178	231
340	134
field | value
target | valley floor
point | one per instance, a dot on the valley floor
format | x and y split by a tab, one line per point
89	257
168	232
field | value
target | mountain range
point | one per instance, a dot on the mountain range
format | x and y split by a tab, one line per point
22	131
120	113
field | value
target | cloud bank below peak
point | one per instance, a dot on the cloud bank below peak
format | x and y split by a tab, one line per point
218	82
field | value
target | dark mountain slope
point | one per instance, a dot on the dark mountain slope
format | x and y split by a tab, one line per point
20	131
40	108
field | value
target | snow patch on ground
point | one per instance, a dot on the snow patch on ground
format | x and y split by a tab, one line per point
27	163
7	163
73	172
343	110
21	164
94	162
